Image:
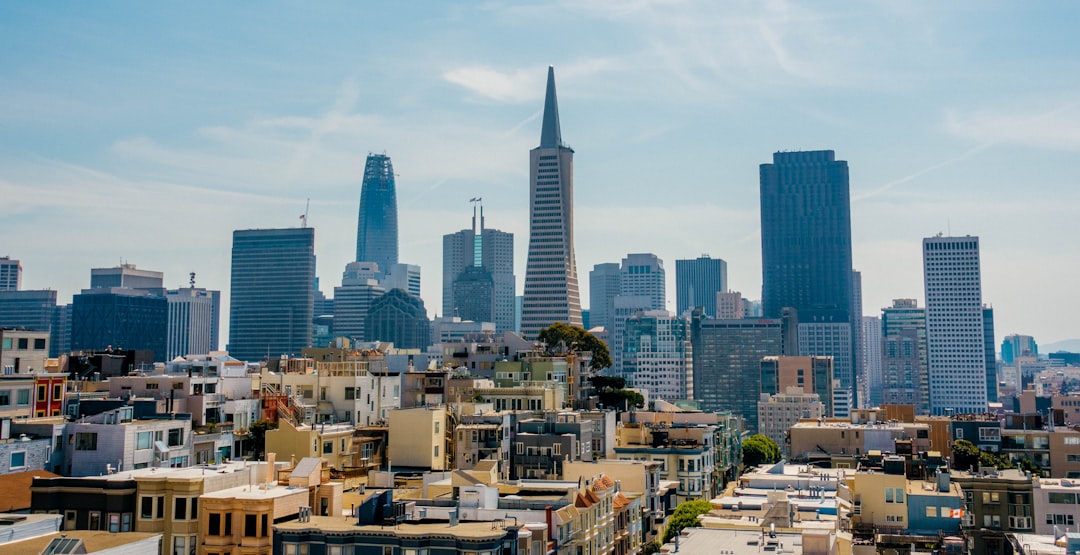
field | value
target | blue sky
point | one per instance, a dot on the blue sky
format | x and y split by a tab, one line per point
147	132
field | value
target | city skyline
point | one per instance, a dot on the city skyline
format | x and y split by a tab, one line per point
79	142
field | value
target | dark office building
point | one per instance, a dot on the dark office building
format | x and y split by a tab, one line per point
377	225
120	318
474	295
272	293
806	236
399	318
727	363
697	282
991	356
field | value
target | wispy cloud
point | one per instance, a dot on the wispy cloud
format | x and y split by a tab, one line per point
1056	129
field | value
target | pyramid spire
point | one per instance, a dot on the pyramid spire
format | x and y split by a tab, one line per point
550	134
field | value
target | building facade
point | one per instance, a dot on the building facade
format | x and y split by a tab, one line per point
377	225
657	355
551	283
352	300
492	252
806	252
399	318
955	340
870	344
272	293
903	355
603	288
727	363
10	274
121	318
193	321
697	282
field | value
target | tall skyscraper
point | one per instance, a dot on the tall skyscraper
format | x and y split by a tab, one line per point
551	284
272	293
603	288
727	363
473	258
10	274
697	282
377	226
657	355
194	314
903	356
860	382
955	340
806	253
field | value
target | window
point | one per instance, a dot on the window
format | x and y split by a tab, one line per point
146	507
350	393
23	397
436	426
991	497
894	495
86	441
1062	498
160	507
114	523
250	525
265	531
556	449
152	385
1072	440
228	524
42	391
24	343
5	397
214	524
57	391
18	459
176	437
328	447
894	518
931	512
180	508
95	520
178	545
142	440
959	433
436	453
1067	520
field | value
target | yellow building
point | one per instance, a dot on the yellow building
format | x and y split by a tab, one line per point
334	443
878	501
421	437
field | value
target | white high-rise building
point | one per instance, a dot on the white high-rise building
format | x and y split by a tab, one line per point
642	275
551	284
657	356
955	342
194	314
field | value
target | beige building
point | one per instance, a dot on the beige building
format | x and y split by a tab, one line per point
337	444
823	439
357	391
239	520
23	351
778	413
421	437
168	499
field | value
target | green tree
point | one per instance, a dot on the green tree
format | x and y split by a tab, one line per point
561	337
258	436
759	449
611	393
651	548
966	456
685	516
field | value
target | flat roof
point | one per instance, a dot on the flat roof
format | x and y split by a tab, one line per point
473	530
94	540
256	492
719	540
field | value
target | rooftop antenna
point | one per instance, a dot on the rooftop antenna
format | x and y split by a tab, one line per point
303	219
191	280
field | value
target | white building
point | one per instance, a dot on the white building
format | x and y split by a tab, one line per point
657	355
603	288
193	321
114	441
729	305
642	275
955	343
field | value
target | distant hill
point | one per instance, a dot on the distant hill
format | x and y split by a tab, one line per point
1070	345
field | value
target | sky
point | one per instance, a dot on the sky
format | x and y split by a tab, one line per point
147	132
